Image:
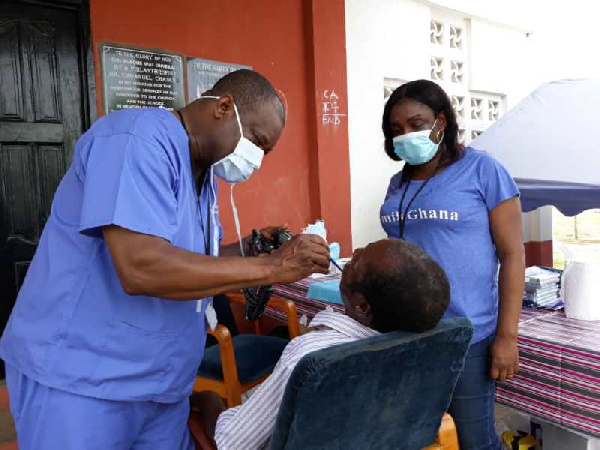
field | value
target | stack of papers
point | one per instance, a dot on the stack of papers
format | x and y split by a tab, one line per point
542	287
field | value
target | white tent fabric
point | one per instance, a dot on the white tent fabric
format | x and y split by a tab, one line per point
550	144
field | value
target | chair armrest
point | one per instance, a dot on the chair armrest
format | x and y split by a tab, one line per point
221	333
223	336
286	306
289	308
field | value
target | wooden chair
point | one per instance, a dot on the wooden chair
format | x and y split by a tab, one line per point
241	362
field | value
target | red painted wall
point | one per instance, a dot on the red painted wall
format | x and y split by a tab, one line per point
327	56
538	253
274	37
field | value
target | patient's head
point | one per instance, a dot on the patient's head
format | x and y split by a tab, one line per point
394	285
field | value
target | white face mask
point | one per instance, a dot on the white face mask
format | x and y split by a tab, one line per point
243	161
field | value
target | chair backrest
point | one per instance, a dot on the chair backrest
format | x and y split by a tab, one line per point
385	392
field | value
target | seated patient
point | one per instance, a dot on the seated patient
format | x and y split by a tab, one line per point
390	285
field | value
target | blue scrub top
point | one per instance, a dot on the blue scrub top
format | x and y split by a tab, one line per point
73	327
449	219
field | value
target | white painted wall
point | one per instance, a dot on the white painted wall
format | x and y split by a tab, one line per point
381	37
499	61
391	39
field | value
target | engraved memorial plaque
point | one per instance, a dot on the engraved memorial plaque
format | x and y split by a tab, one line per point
136	78
203	74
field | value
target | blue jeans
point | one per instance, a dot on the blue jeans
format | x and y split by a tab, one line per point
472	406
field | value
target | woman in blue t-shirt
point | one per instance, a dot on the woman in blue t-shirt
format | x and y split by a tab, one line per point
463	208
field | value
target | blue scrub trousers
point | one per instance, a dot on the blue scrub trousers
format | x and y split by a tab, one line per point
51	419
472	406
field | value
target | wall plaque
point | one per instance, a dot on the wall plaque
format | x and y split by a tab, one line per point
135	78
203	74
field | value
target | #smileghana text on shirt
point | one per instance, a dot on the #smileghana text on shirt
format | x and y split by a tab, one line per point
422	214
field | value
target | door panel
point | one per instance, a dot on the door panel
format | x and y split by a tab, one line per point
11	100
43	63
20	205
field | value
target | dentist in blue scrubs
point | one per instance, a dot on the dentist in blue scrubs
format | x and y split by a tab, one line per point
109	327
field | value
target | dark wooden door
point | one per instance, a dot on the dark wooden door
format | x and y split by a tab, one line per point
42	88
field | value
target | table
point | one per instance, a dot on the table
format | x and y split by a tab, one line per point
297	293
559	376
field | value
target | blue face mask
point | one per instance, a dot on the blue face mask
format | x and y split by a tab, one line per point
416	148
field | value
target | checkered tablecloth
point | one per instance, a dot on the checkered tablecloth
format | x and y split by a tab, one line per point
559	376
297	293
